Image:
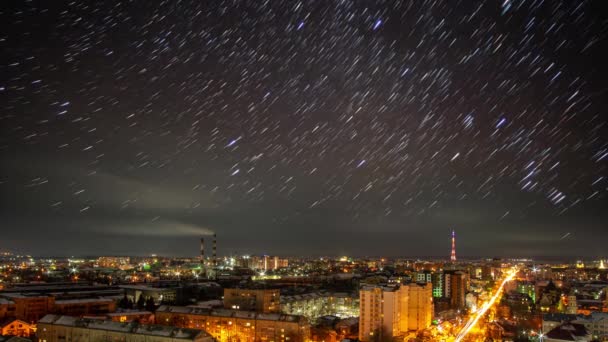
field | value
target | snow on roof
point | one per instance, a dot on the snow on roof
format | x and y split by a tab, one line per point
315	295
208	304
146	288
83	300
6	302
128	313
66	320
132	328
229	313
21	295
244	314
48	319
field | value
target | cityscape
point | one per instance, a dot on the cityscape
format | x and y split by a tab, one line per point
303	171
272	298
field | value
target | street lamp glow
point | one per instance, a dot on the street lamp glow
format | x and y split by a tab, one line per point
484	308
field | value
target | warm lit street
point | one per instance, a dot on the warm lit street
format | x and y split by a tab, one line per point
473	329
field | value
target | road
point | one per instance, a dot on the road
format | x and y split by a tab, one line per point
475	317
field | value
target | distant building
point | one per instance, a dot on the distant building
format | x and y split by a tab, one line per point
18	328
160	294
315	305
32	302
30	307
528	289
571	307
53	328
234	325
264	300
113	262
266	263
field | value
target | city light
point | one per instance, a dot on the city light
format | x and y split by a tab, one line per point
484	308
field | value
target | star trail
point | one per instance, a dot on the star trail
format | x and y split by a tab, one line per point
323	127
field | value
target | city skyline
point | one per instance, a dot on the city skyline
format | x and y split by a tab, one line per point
304	128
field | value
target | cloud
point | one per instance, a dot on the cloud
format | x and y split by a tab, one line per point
151	228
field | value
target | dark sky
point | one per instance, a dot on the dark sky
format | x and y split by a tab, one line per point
304	127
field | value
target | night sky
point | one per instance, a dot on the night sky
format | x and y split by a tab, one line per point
304	127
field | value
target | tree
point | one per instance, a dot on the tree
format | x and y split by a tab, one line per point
124	302
150	306
141	302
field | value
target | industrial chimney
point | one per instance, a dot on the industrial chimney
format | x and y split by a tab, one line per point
214	248
203	249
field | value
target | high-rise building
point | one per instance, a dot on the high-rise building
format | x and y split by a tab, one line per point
437	281
266	263
420	306
455	285
386	312
383	312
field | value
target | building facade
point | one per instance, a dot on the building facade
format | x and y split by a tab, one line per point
237	325
18	328
265	300
387	312
420	306
315	305
455	287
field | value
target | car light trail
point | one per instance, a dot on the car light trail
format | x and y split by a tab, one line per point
484	308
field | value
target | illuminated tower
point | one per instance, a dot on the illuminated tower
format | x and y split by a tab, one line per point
453	256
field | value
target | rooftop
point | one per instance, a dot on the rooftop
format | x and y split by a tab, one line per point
147	288
6	302
83	300
128	313
133	328
568	332
231	313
